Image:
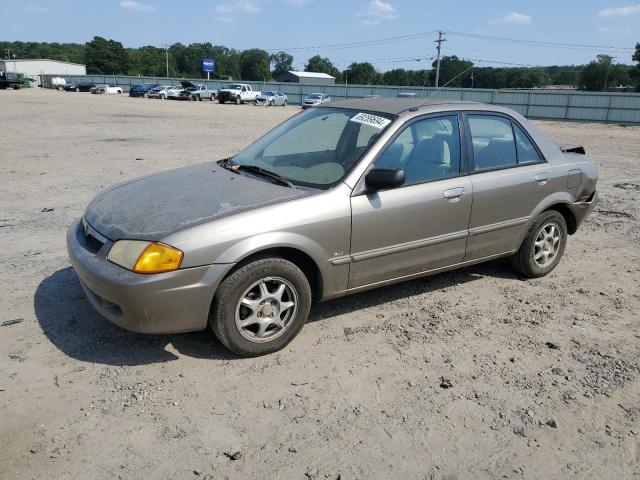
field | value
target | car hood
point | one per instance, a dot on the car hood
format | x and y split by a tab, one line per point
187	84
153	207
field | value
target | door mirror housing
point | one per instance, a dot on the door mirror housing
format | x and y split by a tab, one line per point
384	178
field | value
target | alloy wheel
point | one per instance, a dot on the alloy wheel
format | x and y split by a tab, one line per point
546	245
266	309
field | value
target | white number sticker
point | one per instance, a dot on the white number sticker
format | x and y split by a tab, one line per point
371	120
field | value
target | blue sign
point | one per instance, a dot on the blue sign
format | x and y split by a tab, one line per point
208	65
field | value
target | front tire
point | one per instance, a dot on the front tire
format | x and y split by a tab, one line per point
238	100
261	307
543	246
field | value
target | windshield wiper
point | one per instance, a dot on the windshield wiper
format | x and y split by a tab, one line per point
236	167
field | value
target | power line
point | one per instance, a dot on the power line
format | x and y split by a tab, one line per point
539	43
364	43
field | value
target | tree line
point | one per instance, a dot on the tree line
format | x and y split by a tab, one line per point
105	56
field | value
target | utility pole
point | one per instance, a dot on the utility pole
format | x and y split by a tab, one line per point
439	42
606	78
166	55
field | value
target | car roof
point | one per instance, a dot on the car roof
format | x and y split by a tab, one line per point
393	106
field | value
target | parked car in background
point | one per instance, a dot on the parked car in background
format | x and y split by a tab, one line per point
314	99
174	92
159	92
272	98
106	89
237	93
343	197
192	91
58	83
142	89
79	87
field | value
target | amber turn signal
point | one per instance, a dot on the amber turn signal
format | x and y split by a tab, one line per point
157	258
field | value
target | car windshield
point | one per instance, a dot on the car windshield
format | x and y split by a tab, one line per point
235	87
268	94
316	148
314	96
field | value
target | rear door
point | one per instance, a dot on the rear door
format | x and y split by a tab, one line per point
423	224
510	178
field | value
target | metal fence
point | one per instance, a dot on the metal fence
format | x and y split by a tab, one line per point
622	108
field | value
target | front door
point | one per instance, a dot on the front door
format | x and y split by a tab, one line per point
422	225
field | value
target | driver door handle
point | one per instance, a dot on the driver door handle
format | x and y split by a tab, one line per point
453	193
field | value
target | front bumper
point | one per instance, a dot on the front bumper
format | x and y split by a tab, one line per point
169	302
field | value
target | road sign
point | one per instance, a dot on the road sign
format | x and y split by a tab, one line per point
208	65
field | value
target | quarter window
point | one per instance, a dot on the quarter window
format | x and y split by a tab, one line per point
493	142
427	149
527	153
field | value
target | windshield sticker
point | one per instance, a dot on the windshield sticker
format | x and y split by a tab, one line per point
371	120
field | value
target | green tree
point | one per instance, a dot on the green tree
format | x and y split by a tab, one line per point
282	62
603	73
254	65
104	56
397	76
361	74
454	71
320	64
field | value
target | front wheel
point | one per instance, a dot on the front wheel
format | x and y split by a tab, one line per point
238	100
285	103
261	307
543	246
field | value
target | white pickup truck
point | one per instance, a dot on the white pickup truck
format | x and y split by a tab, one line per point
238	93
192	91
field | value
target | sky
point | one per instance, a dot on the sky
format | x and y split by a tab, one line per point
407	29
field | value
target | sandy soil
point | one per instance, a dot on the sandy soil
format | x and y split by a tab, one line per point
360	393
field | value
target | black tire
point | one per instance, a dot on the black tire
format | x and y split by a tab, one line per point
222	317
286	102
77	89
238	100
221	101
212	97
271	103
523	260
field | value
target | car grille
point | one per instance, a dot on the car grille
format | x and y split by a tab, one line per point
90	242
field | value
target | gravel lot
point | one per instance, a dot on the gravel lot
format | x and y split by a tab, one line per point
543	375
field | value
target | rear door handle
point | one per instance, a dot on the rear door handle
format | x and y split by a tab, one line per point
453	193
541	178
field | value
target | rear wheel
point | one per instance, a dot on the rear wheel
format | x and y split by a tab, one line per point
271	103
261	307
543	246
238	100
221	101
77	89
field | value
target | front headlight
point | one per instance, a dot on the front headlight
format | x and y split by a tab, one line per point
145	257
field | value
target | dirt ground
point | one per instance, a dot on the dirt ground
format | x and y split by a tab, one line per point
543	375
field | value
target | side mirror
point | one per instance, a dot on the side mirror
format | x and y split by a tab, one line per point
384	178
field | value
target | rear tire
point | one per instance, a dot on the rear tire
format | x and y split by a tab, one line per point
238	100
283	320
77	89
543	246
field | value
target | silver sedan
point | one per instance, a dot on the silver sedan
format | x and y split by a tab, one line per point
272	98
315	99
338	199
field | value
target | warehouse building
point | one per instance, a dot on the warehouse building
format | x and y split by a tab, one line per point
310	78
33	68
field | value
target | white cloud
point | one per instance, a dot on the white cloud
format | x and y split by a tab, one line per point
238	7
224	19
378	11
620	11
515	17
299	3
36	9
136	6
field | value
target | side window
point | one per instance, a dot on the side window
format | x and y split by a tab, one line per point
527	153
493	142
426	150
